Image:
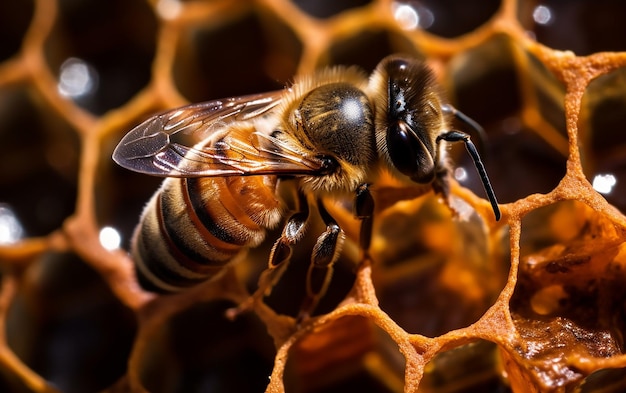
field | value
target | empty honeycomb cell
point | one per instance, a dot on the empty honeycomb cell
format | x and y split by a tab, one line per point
434	274
483	81
328	8
604	145
38	161
348	354
523	154
250	51
519	163
468	368
199	350
450	18
101	51
367	47
15	17
66	325
581	26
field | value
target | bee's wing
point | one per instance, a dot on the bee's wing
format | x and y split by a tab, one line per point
167	144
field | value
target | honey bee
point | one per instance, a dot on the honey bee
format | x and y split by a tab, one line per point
331	134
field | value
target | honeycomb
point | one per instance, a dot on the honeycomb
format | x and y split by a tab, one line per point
451	302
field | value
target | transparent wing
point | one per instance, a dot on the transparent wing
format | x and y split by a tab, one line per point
206	139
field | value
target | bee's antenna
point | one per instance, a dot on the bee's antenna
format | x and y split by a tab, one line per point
456	136
468	121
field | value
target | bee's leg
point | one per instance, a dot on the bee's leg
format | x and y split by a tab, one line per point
325	253
280	255
364	210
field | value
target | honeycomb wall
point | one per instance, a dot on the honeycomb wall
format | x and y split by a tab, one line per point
532	303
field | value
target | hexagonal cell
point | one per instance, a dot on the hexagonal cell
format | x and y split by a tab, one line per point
199	349
520	160
15	18
469	368
67	326
432	273
483	81
250	52
567	301
348	354
367	47
581	26
39	155
102	51
518	165
449	18
604	143
328	8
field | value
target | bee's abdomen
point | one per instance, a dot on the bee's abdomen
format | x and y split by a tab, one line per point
193	227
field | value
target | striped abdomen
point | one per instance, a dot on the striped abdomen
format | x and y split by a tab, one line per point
192	227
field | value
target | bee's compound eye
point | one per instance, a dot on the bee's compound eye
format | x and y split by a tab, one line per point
402	146
408	154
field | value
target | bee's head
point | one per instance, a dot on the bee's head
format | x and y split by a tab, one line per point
408	117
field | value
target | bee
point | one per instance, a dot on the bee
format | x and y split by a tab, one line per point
331	134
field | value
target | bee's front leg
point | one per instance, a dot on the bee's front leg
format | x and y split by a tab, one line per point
364	211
